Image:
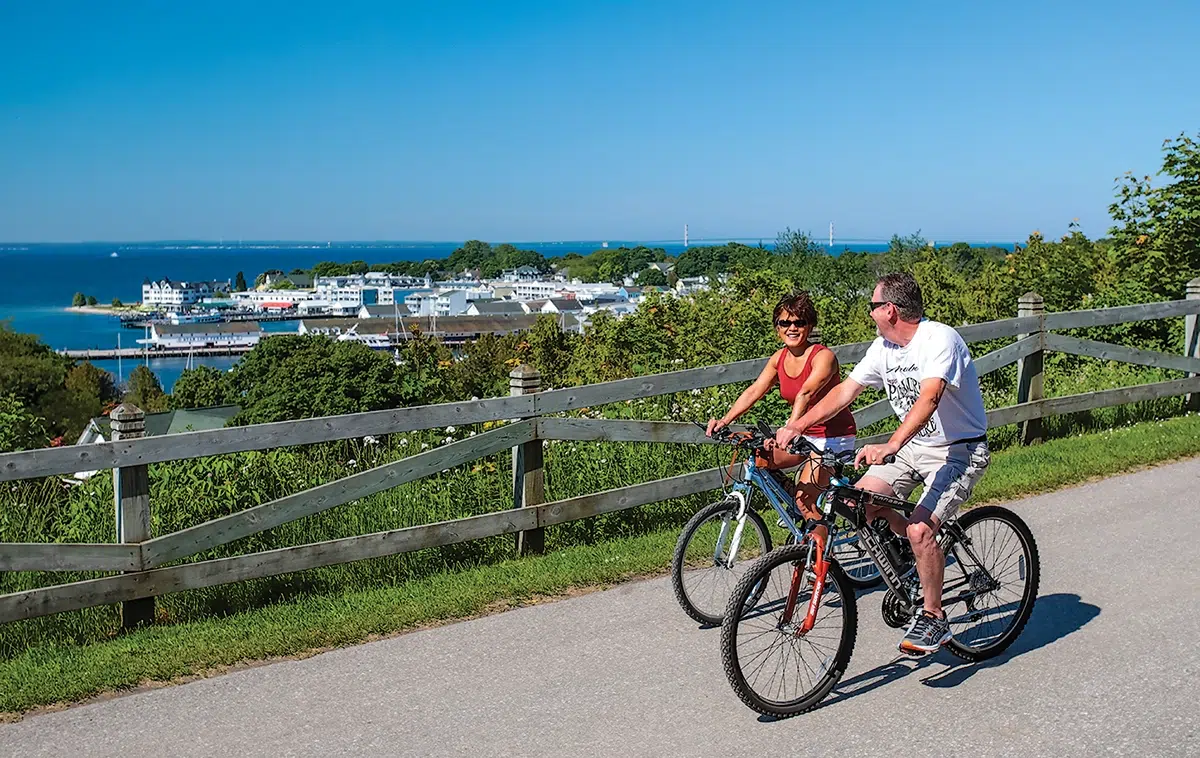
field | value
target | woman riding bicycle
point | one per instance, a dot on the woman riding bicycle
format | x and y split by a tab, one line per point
805	373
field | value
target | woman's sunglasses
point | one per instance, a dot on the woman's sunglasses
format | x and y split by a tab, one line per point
784	323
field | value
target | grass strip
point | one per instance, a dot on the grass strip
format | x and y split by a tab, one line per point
48	675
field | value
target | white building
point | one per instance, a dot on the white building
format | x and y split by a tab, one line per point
451	303
423	303
521	274
535	290
179	294
270	300
222	335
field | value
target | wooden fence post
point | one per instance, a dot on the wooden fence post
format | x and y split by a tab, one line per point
1191	341
131	493
1030	378
528	480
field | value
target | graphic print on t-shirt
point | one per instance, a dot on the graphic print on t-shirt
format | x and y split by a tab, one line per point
903	392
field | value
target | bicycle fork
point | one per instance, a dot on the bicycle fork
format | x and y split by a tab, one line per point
820	536
736	542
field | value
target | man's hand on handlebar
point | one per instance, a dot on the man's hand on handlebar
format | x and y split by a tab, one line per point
873	455
785	435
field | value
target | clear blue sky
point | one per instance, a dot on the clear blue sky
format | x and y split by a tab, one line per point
553	120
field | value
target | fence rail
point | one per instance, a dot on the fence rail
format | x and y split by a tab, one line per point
141	558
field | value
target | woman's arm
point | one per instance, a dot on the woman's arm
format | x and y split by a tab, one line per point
749	396
824	368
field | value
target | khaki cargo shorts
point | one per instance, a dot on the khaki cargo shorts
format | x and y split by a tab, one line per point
949	473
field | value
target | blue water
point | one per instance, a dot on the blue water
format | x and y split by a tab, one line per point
39	280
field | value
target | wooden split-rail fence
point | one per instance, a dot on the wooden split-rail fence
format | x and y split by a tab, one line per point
141	560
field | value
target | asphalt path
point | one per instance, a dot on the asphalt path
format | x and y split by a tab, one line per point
1108	665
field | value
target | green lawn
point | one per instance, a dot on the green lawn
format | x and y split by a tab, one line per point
64	673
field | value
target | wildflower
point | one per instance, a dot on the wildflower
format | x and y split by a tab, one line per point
370	440
449	430
404	442
472	434
424	445
473	397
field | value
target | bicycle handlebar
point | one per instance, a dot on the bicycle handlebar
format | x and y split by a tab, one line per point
756	440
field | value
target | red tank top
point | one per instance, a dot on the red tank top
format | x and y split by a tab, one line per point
841	425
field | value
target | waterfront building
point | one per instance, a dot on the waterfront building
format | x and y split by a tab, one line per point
220	335
166	293
270	300
562	305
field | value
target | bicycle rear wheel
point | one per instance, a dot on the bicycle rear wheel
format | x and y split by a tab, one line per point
773	668
700	572
991	581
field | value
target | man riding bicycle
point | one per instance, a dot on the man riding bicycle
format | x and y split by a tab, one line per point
931	383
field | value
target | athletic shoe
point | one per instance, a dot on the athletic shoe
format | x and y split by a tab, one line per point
925	634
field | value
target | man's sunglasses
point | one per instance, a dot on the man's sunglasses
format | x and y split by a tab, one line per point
875	304
784	323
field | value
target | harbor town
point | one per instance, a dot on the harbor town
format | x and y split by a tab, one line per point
379	309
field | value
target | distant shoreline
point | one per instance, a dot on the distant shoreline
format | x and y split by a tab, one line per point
104	310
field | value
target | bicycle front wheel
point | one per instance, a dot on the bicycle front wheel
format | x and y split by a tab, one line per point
991	581
773	667
853	557
702	575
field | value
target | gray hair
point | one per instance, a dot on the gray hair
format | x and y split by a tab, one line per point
903	291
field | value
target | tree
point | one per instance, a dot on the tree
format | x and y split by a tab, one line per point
239	283
301	376
79	300
202	387
145	391
20	428
91	300
1157	234
116	303
652	277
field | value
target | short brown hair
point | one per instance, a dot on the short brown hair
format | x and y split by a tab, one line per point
799	303
902	290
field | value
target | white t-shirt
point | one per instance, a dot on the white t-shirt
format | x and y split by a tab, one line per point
935	352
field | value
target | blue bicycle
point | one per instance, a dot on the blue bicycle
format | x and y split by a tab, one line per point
724	538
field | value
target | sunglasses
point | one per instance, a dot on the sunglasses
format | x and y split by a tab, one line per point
875	305
784	323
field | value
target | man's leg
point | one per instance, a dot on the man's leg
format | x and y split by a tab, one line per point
931	564
951	475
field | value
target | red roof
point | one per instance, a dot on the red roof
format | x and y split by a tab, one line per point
278	305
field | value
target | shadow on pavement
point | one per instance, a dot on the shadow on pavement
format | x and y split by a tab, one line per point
1054	617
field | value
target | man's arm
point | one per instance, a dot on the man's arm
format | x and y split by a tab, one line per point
918	416
838	398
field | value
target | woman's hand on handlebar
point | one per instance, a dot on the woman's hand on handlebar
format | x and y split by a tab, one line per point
714	425
873	455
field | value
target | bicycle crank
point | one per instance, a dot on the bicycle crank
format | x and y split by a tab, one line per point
896	611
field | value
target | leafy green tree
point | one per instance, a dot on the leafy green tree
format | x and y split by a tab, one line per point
79	300
202	387
116	303
651	277
1157	232
301	376
91	300
20	428
145	391
239	282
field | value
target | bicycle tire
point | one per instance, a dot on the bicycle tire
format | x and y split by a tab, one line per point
839	595
1008	568
711	609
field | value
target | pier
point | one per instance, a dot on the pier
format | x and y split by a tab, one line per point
138	353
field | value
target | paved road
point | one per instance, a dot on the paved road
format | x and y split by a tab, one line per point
1108	665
